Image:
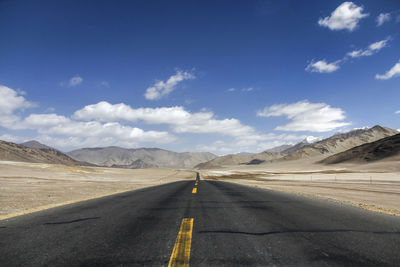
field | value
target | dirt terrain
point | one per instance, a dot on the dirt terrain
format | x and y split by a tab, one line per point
27	187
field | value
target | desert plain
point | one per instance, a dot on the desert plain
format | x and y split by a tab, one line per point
29	187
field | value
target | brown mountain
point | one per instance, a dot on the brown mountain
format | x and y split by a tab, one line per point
384	149
148	157
304	150
340	142
14	152
235	159
279	149
35	144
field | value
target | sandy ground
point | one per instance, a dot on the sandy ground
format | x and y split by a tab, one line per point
373	187
27	187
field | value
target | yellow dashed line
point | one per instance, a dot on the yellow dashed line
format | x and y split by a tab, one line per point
181	254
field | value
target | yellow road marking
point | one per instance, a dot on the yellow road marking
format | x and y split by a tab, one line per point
181	254
194	190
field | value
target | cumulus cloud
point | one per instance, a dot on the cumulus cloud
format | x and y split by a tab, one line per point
393	72
306	116
53	124
177	117
255	143
83	131
370	50
10	101
161	88
74	81
43	121
322	66
11	138
182	121
344	17
217	147
382	18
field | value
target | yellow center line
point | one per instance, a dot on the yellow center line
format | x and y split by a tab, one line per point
181	254
194	190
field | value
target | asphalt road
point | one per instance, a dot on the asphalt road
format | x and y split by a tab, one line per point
233	225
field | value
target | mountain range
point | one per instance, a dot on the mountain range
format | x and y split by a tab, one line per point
340	142
306	149
387	148
140	158
359	145
14	152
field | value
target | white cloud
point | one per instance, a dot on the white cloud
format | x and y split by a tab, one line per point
254	143
53	124
397	112
382	18
231	89
370	50
104	111
306	116
70	142
248	89
74	81
161	89
84	132
323	67
178	118
11	138
217	147
393	72
43	121
344	17
11	101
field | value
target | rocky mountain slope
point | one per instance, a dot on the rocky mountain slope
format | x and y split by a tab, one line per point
140	158
384	149
14	152
234	159
280	149
306	149
35	144
340	142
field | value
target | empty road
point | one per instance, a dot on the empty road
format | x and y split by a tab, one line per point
217	224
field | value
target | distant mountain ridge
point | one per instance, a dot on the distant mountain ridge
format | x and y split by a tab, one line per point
279	149
340	142
234	159
14	152
387	148
306	149
140	157
35	144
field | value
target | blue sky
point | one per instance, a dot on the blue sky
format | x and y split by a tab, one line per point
218	76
